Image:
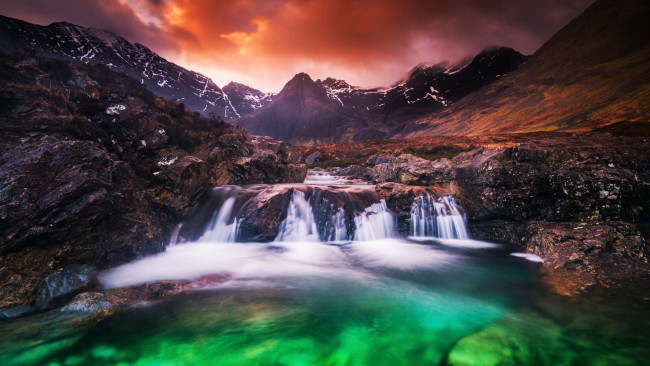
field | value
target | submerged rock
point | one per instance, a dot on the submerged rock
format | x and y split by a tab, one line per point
90	302
57	288
17	311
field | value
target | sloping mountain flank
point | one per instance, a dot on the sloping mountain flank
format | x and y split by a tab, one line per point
593	72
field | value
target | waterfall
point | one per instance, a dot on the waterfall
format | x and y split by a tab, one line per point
335	229
174	238
300	224
309	214
219	229
376	222
440	219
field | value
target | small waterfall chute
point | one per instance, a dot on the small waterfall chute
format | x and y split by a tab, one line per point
335	228
374	223
437	218
222	228
299	224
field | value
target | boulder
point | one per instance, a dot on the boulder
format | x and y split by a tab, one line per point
412	170
59	287
352	171
377	159
314	157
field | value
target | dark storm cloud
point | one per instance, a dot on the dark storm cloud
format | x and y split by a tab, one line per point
104	14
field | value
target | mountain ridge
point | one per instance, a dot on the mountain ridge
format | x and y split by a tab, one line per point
337	111
71	42
593	72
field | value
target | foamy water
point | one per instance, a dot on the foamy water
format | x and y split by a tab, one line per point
275	260
528	256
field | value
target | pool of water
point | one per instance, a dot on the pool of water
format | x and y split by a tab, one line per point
388	302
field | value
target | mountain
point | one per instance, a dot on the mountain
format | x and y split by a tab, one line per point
311	112
593	72
71	42
244	99
302	112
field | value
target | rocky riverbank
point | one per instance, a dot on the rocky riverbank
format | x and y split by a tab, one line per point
95	170
581	202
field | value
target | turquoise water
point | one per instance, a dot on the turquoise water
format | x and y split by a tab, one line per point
383	303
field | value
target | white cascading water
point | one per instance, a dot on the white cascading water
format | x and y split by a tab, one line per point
440	219
336	229
219	229
300	224
376	222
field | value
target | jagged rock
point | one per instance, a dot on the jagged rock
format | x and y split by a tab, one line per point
57	288
412	170
183	177
287	153
314	157
352	172
20	109
17	311
101	303
378	159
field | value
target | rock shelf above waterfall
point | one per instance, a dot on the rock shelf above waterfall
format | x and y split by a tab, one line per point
316	212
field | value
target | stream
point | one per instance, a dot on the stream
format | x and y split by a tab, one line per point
340	286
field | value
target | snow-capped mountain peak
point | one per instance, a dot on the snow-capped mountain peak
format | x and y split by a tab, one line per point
72	42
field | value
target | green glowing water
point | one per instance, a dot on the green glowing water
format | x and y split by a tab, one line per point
485	308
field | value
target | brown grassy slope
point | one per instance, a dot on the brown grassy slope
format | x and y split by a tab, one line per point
593	72
343	154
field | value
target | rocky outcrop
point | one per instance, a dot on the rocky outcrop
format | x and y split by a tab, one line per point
582	202
95	170
100	303
411	170
377	159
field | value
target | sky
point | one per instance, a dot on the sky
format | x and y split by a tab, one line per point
264	43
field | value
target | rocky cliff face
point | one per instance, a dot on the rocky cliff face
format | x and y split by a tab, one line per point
95	169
